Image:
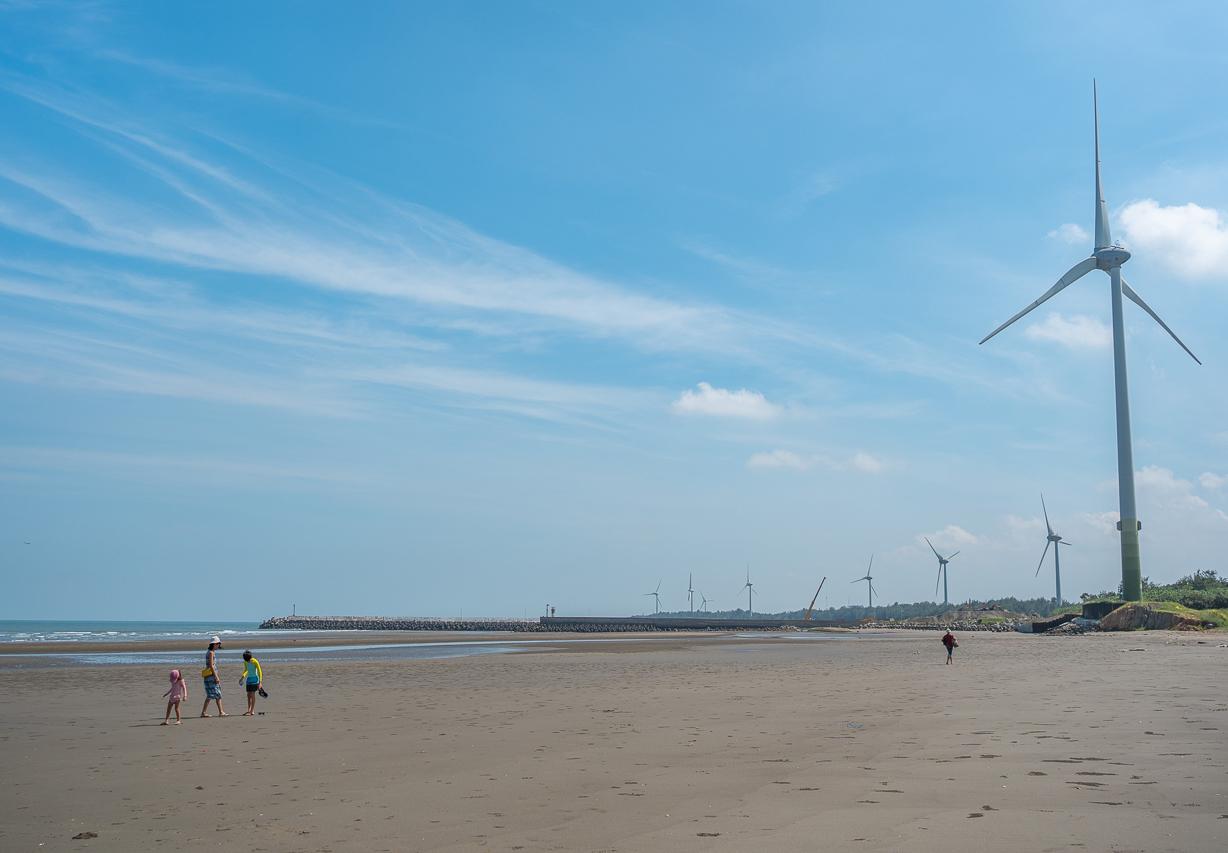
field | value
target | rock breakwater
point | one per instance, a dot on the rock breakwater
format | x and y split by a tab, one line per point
391	623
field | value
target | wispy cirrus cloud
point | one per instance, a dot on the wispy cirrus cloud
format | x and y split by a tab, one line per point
780	459
220	470
335	237
499	391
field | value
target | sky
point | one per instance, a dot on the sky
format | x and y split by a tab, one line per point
471	308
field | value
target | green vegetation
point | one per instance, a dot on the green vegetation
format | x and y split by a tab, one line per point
1203	590
1218	616
912	610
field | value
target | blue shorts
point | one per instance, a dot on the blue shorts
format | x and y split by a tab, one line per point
213	690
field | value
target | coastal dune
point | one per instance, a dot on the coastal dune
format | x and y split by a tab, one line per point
776	743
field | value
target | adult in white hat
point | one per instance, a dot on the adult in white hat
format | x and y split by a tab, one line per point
213	683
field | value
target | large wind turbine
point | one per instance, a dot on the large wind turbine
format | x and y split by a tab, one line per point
1056	541
942	569
1108	256
690	589
869	580
656	596
750	593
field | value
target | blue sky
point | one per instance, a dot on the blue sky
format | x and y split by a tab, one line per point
424	309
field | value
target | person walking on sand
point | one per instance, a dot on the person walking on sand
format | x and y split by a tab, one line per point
253	678
948	640
213	684
178	693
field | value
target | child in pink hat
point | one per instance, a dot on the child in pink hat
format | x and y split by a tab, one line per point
178	693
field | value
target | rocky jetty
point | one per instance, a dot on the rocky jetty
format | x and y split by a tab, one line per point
935	624
568	624
389	623
990	619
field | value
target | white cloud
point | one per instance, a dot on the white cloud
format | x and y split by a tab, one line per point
1172	497
1076	332
1189	239
1103	522
950	537
1070	233
721	402
1163	483
1212	481
1024	526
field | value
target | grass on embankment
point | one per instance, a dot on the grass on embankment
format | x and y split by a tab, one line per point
1218	616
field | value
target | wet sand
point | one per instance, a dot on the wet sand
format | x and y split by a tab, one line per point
314	639
1103	742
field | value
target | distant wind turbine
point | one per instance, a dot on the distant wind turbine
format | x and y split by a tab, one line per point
690	589
750	593
1108	256
656	595
1056	541
703	602
942	570
869	581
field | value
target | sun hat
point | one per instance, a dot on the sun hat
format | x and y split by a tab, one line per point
216	639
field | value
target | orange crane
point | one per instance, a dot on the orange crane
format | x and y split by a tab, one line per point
810	609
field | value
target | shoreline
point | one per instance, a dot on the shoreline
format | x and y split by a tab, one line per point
316	639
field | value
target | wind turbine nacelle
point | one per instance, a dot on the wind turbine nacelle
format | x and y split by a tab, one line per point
1112	256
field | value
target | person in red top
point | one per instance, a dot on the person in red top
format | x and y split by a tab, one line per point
948	640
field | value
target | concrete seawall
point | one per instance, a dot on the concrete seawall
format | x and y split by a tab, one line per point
567	624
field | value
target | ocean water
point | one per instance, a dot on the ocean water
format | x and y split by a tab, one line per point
229	660
74	631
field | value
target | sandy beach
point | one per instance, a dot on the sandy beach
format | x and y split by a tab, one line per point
1103	742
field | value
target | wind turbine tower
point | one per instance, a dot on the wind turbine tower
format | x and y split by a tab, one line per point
869	580
1109	257
656	596
942	570
750	593
1056	541
690	590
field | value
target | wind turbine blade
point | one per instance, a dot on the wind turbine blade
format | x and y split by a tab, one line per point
1103	238
952	557
1046	511
931	544
1064	542
1138	300
658	589
870	566
1072	275
939	581
1042	558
